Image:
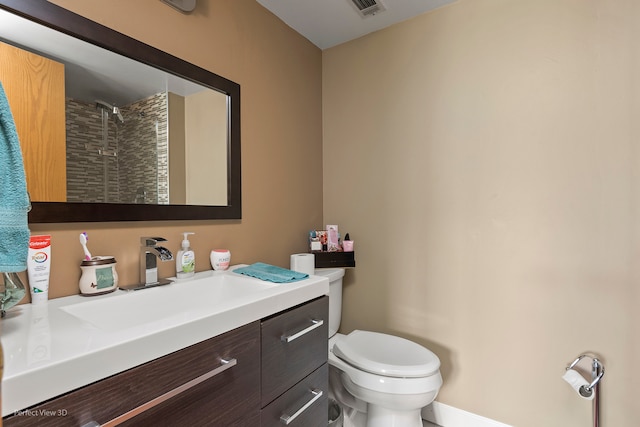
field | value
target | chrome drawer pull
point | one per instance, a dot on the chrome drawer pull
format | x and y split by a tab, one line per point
225	364
288	419
316	324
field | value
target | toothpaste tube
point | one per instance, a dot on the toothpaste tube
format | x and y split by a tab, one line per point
39	267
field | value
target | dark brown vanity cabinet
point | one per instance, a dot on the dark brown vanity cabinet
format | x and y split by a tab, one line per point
294	366
212	383
267	373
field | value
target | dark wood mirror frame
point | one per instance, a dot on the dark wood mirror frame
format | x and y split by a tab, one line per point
60	19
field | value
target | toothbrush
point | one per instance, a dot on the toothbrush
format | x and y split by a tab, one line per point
83	242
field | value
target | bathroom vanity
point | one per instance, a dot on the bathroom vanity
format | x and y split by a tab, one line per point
233	351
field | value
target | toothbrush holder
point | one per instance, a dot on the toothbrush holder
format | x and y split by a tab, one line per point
99	276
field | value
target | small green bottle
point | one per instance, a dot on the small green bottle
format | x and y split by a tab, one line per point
186	259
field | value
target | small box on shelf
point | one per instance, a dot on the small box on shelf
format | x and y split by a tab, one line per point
335	259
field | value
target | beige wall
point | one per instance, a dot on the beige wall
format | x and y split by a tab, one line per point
206	148
484	158
280	77
177	153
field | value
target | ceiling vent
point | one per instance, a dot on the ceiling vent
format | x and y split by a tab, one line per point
368	8
184	6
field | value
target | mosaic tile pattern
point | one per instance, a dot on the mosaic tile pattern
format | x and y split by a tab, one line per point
131	158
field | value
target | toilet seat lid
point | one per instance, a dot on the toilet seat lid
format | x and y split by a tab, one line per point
386	355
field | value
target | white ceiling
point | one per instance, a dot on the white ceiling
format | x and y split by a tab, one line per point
327	23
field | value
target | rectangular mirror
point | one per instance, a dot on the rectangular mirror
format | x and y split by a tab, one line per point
122	131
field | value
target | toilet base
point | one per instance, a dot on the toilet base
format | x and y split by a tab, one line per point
358	413
379	401
378	416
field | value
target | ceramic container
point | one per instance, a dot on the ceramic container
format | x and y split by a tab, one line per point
99	275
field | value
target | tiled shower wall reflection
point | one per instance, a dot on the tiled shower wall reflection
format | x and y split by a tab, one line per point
133	159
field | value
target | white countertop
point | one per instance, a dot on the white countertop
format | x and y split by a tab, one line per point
51	349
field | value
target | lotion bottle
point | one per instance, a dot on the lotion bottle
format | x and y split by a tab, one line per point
186	259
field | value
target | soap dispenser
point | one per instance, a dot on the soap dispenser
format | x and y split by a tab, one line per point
186	259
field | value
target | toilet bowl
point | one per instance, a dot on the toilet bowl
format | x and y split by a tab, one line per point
380	380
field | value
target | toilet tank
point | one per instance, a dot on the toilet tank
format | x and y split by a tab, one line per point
335	276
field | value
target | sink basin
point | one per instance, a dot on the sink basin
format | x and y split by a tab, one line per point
172	304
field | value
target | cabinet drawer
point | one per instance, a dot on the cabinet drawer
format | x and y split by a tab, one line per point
304	405
229	394
294	344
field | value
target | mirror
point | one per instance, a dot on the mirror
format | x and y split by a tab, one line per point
129	144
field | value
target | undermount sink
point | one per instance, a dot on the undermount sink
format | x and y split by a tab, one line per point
178	302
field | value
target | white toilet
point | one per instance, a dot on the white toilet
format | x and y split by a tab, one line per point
379	380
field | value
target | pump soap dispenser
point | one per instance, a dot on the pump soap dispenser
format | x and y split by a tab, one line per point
186	259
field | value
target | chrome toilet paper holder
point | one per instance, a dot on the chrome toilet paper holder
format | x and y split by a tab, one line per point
597	372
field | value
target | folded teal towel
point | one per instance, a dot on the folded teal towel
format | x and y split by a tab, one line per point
271	273
14	201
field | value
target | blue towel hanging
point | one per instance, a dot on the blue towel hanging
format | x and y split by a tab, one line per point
14	200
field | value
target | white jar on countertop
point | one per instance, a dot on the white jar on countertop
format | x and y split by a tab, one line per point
99	275
220	259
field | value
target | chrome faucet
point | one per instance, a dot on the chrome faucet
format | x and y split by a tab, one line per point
150	252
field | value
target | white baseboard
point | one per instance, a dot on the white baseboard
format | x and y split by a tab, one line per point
448	416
